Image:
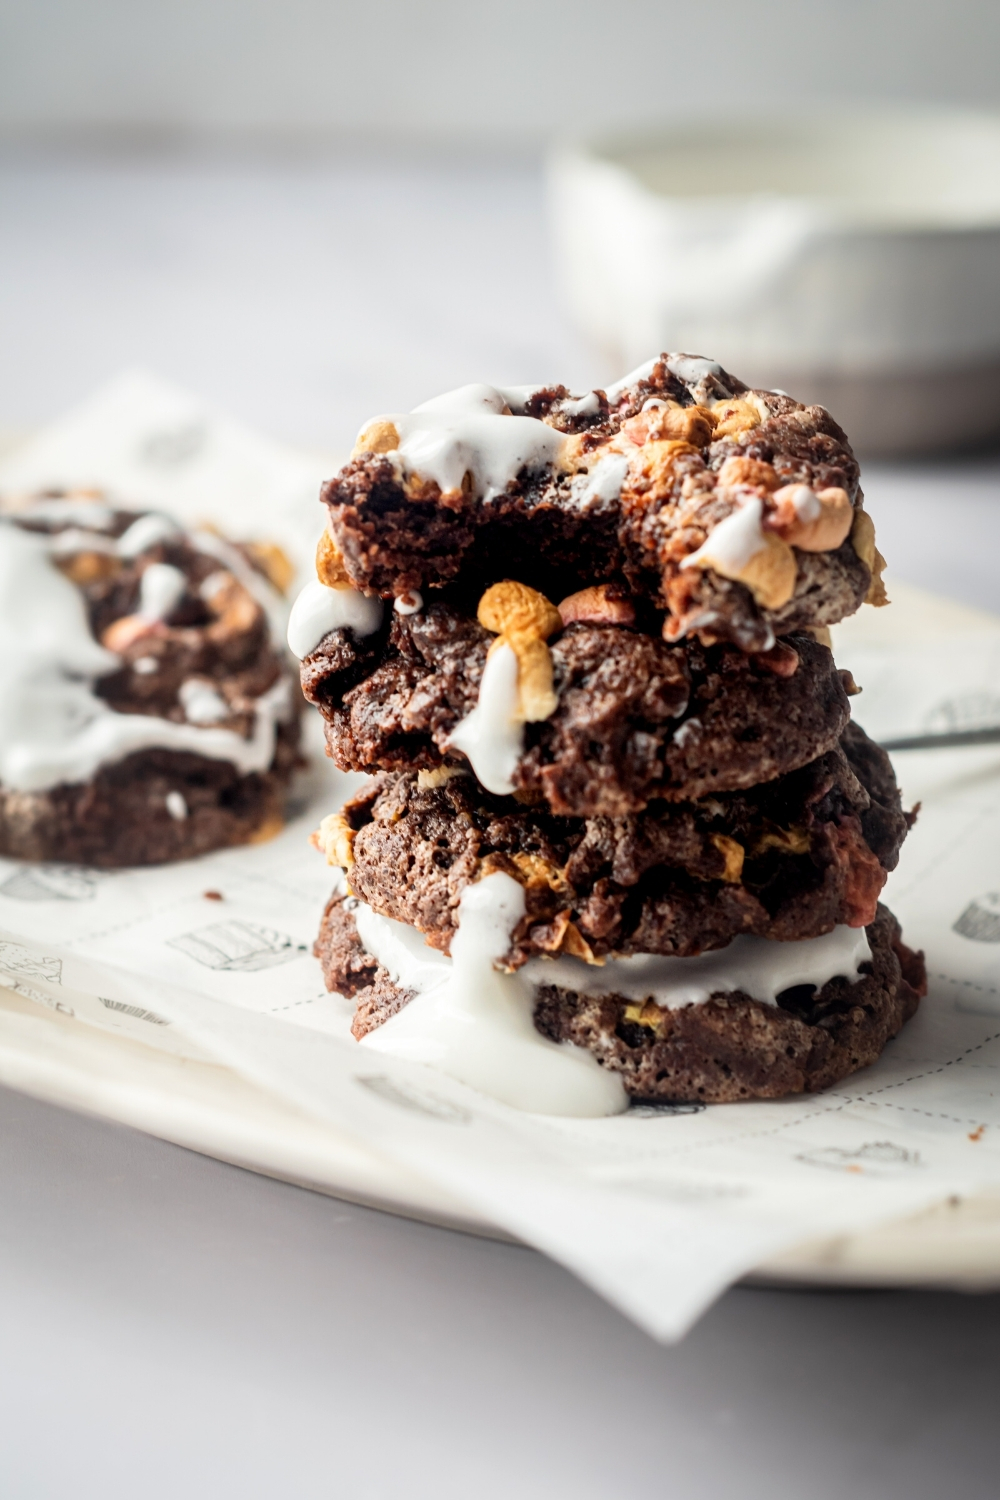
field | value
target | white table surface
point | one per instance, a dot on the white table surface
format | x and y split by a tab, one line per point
175	1327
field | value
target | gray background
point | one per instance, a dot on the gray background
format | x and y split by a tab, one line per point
172	1326
467	70
309	212
176	1328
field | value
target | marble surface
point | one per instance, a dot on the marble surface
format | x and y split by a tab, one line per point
172	1325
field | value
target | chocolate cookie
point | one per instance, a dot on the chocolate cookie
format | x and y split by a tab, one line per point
147	713
736	511
789	859
729	1047
634	716
735	1048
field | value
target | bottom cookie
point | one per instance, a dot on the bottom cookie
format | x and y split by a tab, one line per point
726	1048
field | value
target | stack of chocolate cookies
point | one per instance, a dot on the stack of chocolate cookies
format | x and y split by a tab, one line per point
581	645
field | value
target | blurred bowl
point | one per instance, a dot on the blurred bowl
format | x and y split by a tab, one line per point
850	260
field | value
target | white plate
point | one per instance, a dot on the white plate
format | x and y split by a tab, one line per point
210	1109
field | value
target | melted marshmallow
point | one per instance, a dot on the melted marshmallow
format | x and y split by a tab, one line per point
585	406
467	400
410	603
161	589
146	532
604	481
688	368
518	396
257	586
176	806
201	703
320	609
615	392
734	541
475	1023
472	431
805	501
53	727
759	967
492	735
76	539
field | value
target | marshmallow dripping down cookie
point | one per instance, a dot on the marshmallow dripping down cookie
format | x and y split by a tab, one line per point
757	1020
148	715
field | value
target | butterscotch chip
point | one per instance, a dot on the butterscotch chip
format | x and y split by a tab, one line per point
235	612
810	520
534	870
268	829
769	572
735	417
330	567
752	471
863	542
600	605
274	563
653	468
524	619
380	436
511	608
88	567
733	856
335	839
438	776
692	425
124	632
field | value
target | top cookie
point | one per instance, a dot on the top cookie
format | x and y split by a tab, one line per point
737	512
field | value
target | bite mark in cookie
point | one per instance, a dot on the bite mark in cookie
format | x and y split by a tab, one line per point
732	509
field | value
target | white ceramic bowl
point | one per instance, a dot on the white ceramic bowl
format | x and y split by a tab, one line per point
851	260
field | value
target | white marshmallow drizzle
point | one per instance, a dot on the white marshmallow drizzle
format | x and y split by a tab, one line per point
53	727
475	1023
481	431
321	608
474	431
491	736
